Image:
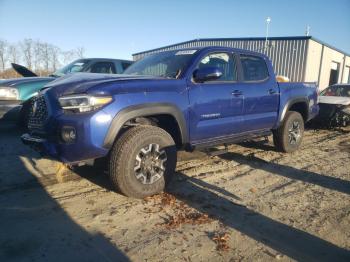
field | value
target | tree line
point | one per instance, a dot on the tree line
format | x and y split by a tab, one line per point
40	57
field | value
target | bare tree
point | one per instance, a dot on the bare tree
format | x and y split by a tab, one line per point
54	55
42	57
45	56
27	49
37	55
80	52
13	54
3	56
68	56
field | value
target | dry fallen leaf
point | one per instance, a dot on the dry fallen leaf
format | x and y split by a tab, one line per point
163	199
253	190
221	241
183	213
193	218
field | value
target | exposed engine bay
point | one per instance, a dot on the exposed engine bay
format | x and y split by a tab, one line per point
334	111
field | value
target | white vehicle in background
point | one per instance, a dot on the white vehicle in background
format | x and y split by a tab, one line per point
334	102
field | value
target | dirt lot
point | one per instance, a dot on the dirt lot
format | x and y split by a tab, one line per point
250	204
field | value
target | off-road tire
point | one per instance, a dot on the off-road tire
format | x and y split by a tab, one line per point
281	135
123	158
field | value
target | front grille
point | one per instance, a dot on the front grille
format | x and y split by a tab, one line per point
38	113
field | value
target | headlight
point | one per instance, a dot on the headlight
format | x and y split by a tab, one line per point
83	103
9	93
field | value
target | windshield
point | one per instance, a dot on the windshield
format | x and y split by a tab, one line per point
167	64
76	66
336	91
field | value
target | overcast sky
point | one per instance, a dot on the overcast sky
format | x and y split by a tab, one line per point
117	29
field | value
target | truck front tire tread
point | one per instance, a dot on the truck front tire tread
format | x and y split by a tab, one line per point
122	160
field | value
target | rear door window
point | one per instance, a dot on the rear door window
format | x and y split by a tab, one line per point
254	68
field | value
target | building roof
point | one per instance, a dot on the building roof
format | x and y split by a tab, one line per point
246	39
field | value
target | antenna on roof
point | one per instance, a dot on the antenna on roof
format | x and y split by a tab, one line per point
307	31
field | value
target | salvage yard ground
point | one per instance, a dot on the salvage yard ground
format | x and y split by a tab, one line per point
250	204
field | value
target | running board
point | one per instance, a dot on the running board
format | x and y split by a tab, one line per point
216	152
211	151
201	146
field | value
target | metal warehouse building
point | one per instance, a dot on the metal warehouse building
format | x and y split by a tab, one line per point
301	58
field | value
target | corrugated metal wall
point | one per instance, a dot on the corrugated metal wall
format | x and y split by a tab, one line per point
288	56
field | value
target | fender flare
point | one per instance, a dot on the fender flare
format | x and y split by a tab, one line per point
144	110
290	103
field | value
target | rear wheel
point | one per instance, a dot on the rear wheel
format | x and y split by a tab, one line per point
142	161
288	137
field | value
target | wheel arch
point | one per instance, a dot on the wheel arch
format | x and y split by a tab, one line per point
299	105
146	110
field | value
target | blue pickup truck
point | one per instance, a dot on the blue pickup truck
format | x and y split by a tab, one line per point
185	99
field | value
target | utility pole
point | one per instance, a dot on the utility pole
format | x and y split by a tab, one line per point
268	20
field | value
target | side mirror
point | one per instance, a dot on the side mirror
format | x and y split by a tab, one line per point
201	75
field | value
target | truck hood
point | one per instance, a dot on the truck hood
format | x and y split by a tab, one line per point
334	100
22	70
83	82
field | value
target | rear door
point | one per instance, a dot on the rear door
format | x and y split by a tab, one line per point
261	93
216	106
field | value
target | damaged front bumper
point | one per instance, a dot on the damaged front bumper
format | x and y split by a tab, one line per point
50	150
39	144
342	116
333	115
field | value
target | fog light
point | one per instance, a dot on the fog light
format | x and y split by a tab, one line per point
68	134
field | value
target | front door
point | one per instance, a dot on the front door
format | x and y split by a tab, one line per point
216	106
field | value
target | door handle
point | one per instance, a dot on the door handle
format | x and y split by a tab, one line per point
272	91
237	93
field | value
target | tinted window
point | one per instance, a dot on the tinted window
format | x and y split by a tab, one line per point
103	67
125	65
254	68
223	61
76	66
165	64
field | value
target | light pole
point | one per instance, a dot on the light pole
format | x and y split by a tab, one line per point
268	20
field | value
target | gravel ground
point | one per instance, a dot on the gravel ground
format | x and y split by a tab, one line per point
249	204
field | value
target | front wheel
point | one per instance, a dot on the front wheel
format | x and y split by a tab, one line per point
288	137
142	161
